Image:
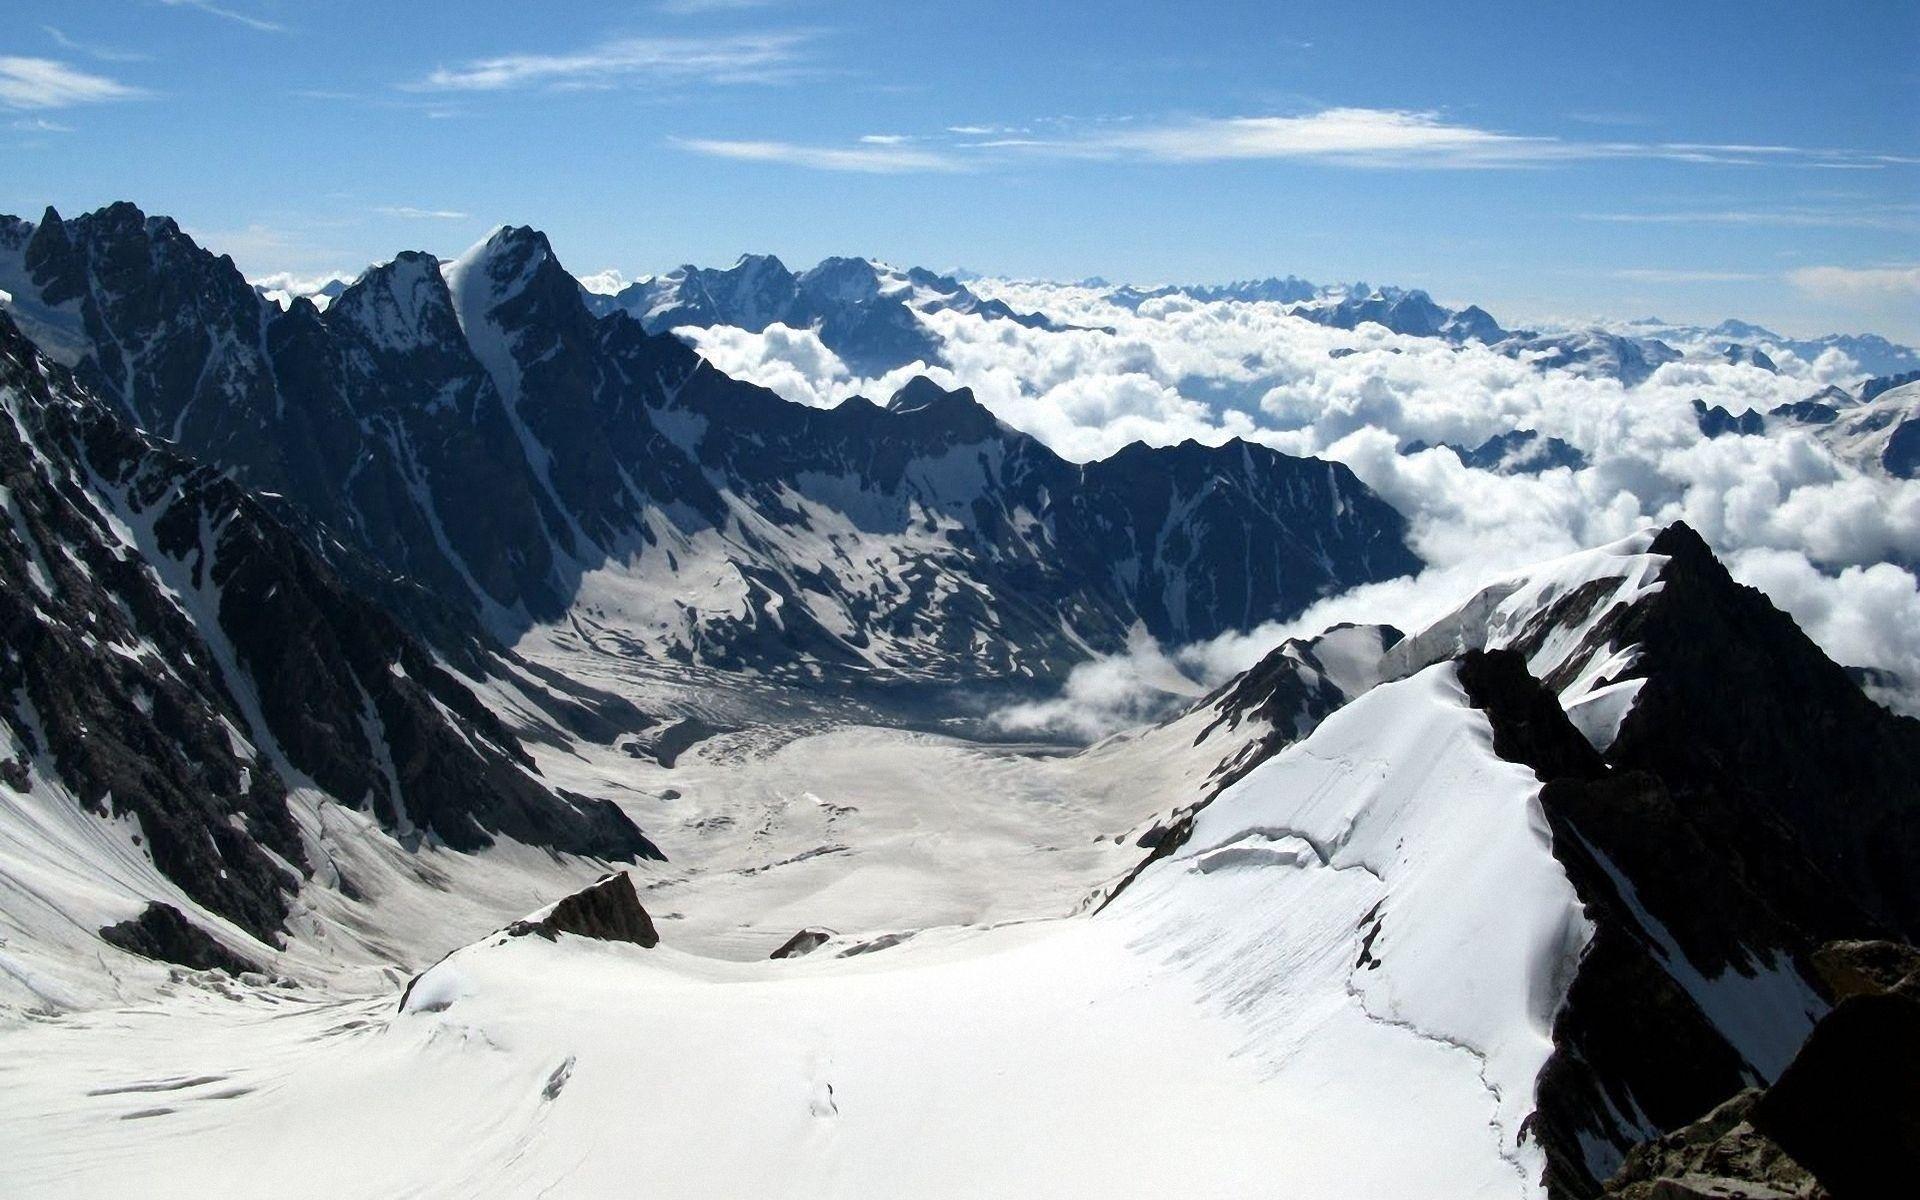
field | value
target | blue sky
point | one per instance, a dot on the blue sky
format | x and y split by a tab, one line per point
1694	160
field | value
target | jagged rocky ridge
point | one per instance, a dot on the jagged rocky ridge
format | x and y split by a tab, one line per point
177	659
1735	802
1724	799
1517	452
474	428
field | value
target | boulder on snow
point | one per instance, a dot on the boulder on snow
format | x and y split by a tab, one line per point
804	942
609	910
161	932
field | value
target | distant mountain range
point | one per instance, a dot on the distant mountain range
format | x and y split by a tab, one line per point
1592	878
864	311
475	429
1629	351
869	314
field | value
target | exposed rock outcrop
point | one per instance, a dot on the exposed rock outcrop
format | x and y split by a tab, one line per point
162	932
607	910
1719	1157
803	943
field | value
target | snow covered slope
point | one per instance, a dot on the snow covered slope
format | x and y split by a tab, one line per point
1343	982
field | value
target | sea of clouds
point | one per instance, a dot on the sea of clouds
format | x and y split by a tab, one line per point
1828	541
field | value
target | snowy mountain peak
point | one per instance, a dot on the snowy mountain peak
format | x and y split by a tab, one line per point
753	266
396	304
921	394
506	259
843	280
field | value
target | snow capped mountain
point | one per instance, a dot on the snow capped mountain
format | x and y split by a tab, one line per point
1875	428
473	427
352	646
865	311
1883	433
1871	353
1626	351
186	680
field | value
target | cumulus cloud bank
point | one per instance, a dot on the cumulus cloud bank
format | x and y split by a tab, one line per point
1829	541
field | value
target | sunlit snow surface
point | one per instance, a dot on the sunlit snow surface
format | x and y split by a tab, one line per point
1213	1032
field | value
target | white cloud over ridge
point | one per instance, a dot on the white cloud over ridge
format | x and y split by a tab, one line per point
1827	540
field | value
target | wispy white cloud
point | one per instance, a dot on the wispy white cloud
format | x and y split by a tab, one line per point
1358	136
687	8
420	214
741	59
45	83
228	14
39	125
1380	137
93	49
887	139
1872	284
866	159
1853	216
1666	275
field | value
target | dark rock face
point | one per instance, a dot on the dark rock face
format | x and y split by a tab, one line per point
1743	355
1808	412
1848	1106
607	910
474	430
1717	421
1630	1037
172	649
803	943
162	933
1901	458
1519	452
1529	726
1753	726
1872	389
